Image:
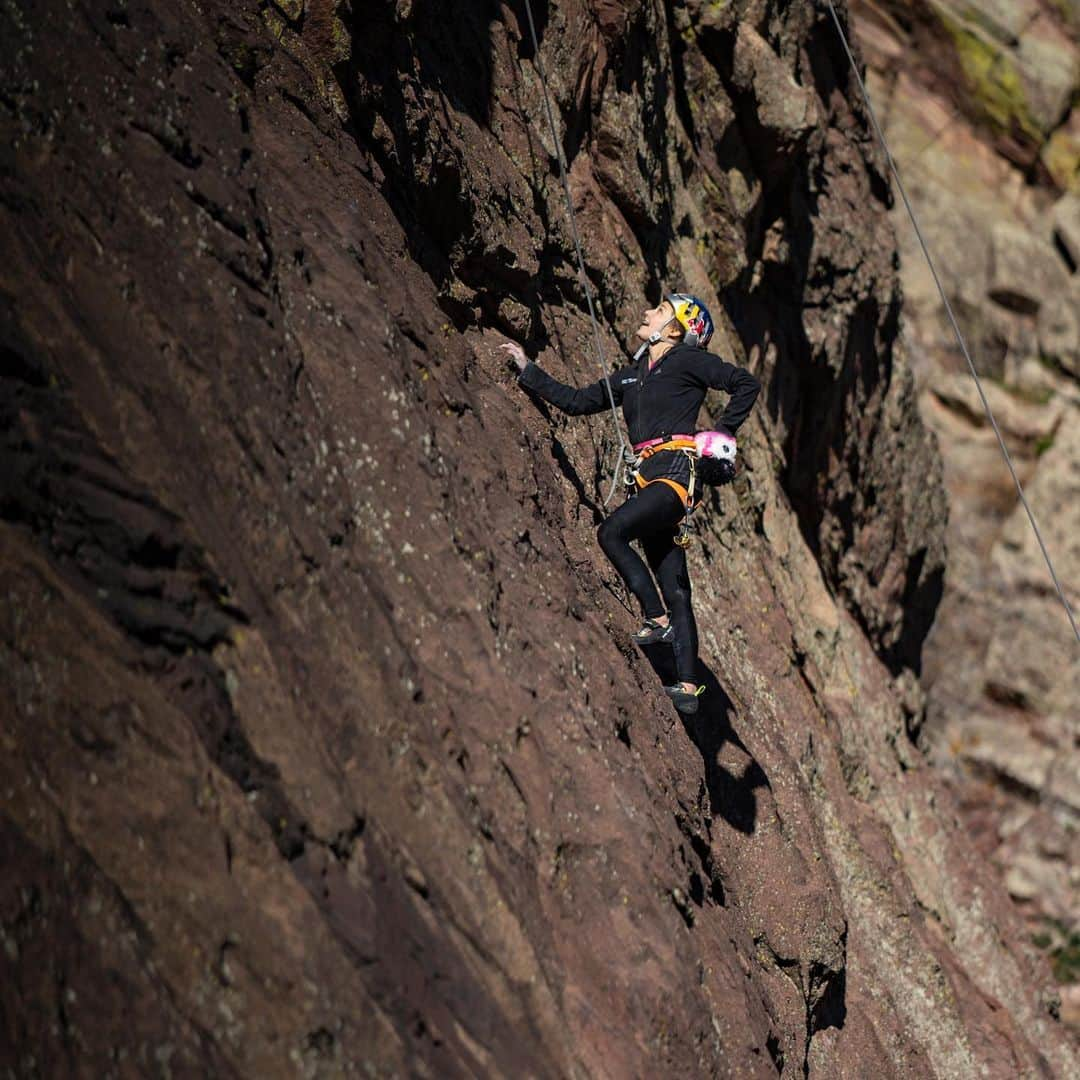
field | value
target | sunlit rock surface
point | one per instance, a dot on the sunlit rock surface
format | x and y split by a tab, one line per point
326	751
997	199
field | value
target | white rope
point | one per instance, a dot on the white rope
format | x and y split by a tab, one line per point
581	259
952	320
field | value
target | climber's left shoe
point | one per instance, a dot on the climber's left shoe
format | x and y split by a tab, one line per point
652	633
686	701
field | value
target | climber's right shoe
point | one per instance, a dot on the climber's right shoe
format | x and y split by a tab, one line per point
652	633
685	701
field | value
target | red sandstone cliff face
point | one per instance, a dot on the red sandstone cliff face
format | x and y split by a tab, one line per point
326	752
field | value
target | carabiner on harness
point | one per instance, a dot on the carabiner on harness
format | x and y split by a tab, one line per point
631	463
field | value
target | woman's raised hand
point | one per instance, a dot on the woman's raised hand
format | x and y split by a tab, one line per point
517	354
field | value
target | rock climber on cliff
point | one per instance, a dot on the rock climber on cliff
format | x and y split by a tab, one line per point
661	393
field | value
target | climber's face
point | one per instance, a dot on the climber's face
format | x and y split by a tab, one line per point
655	320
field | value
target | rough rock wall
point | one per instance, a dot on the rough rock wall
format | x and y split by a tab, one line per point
998	193
325	749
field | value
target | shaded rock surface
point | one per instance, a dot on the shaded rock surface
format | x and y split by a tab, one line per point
1001	213
325	750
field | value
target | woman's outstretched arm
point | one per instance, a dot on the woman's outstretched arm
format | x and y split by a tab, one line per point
572	400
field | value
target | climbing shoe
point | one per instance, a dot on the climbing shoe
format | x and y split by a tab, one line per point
652	633
685	701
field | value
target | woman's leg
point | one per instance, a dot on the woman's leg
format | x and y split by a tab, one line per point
668	563
653	509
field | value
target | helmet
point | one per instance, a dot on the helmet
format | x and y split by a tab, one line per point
693	316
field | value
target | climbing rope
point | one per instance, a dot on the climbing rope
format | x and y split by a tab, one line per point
557	143
952	319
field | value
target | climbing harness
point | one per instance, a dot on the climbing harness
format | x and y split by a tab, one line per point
952	319
641	453
645	450
621	452
710	454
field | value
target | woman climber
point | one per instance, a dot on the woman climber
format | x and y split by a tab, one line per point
661	393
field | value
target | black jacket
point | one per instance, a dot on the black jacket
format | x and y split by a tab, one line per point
663	401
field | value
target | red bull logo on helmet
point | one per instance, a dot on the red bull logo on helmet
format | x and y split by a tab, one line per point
693	316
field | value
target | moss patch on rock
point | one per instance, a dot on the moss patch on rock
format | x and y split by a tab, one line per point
291	9
1063	947
993	78
1061	156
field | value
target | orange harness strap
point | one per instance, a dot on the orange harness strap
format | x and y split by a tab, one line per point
671	444
673	484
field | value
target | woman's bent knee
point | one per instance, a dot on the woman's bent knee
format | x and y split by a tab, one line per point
609	536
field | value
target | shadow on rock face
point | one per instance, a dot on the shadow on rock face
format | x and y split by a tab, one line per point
731	773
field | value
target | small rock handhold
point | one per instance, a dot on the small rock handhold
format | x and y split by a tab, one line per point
415	879
1059	330
1024	269
1020	886
1060	154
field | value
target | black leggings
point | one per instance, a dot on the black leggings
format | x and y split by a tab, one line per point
653	516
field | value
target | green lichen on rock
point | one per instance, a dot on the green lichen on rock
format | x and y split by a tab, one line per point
340	41
1042	444
1061	156
1062	945
274	22
291	9
993	79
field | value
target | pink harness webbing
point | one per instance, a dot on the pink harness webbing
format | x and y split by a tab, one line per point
638	447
